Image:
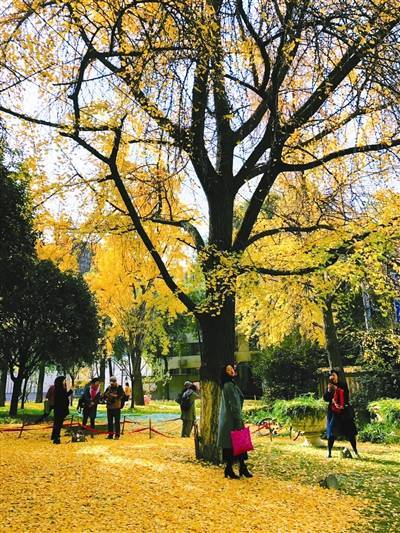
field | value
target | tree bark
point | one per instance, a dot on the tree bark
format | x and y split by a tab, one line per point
17	385
23	397
40	381
3	383
110	367
137	392
218	349
166	386
102	373
332	345
131	377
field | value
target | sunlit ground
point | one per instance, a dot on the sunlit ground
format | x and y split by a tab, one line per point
141	484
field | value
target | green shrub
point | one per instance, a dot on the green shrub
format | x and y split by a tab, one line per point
380	433
388	408
255	416
306	406
289	369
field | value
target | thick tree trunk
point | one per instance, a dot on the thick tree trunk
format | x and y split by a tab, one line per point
218	348
40	381
332	344
3	383
102	373
17	385
110	367
217	324
137	392
166	386
132	378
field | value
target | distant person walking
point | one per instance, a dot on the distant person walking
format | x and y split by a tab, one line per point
230	419
61	410
113	396
48	405
188	408
340	415
90	399
127	392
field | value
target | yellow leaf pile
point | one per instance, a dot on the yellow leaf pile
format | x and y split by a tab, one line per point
143	485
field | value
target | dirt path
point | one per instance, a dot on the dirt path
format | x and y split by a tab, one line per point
143	485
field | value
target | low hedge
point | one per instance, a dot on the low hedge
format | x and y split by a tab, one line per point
380	433
306	406
388	409
285	411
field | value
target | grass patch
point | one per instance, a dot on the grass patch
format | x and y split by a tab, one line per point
375	478
388	409
34	410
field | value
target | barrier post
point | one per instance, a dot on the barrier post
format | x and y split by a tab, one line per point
149	428
123	426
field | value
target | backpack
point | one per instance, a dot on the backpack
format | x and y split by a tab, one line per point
50	396
124	399
186	403
179	398
81	404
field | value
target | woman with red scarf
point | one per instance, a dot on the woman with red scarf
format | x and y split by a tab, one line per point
340	418
90	399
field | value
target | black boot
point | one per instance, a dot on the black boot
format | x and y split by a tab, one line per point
244	471
229	472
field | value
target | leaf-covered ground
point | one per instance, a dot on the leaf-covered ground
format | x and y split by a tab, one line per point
142	485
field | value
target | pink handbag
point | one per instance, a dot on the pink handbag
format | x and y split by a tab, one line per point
241	441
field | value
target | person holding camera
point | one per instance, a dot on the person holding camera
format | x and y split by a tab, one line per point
340	415
188	408
113	397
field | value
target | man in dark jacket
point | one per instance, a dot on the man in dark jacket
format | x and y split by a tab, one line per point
113	396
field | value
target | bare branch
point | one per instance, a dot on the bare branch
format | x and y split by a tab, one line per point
188	226
64	127
341	153
296	230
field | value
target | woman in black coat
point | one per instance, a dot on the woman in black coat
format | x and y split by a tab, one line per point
90	400
340	421
61	407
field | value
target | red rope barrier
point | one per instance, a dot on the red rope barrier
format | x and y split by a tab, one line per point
159	433
32	427
24	428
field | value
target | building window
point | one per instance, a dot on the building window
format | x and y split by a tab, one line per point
194	348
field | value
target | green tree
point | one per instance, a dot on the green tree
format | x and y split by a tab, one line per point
51	317
288	369
17	244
